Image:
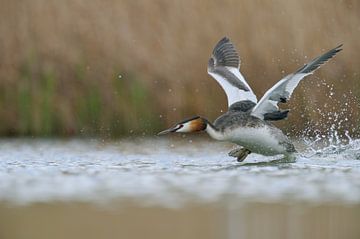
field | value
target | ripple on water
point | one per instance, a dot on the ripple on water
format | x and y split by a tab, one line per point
174	173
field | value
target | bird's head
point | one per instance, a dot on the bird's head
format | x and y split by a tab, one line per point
186	126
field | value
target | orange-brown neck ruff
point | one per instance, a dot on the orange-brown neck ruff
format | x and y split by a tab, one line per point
198	124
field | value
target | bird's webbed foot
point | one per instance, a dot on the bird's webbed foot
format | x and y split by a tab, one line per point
239	153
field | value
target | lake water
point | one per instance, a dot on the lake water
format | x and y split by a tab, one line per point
188	182
171	172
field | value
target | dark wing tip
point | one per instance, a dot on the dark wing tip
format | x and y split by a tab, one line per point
317	62
224	54
336	50
223	40
339	47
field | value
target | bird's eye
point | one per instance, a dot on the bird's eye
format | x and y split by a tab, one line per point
177	127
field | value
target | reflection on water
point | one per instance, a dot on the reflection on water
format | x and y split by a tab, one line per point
206	221
172	173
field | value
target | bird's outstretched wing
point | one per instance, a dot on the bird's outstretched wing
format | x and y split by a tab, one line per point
282	90
224	67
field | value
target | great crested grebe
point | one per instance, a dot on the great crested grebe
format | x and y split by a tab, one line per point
246	123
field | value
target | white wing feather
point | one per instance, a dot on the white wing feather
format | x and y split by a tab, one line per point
282	91
233	93
224	67
268	103
243	95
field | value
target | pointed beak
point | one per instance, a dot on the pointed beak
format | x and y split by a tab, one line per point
171	130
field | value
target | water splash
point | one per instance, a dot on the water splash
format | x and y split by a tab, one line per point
173	174
335	124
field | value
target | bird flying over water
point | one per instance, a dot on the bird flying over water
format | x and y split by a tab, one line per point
247	121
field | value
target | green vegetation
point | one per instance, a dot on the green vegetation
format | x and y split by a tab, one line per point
121	67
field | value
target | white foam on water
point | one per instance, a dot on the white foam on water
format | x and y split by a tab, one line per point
172	172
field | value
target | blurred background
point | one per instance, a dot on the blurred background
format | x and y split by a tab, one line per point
119	68
114	68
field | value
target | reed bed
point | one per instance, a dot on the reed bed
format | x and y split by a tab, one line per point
114	68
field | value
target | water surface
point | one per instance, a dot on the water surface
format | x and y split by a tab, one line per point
172	172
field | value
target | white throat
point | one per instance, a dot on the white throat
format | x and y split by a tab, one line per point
215	134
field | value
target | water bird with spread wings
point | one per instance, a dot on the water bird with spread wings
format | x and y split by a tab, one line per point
247	121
